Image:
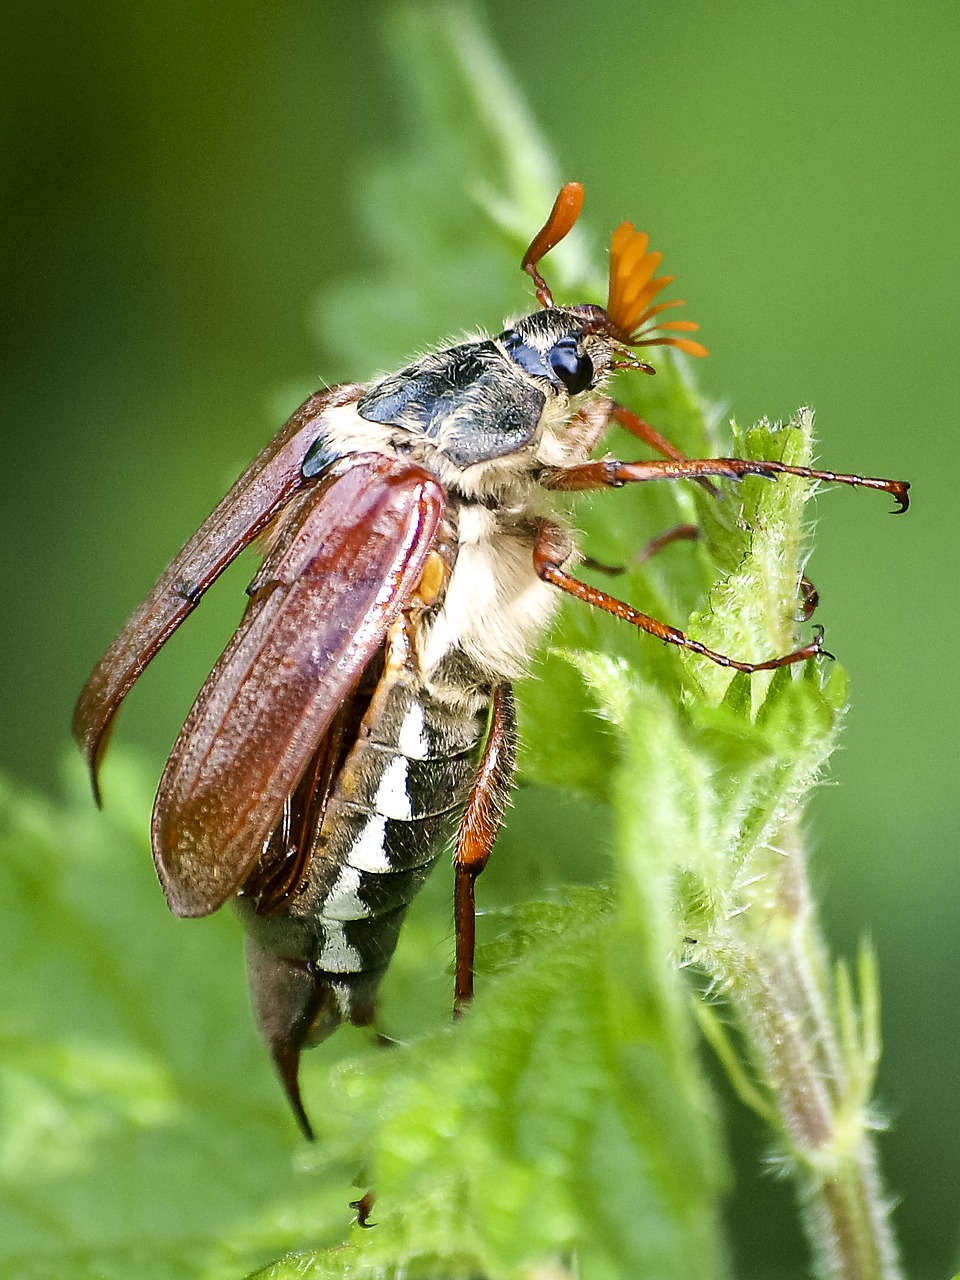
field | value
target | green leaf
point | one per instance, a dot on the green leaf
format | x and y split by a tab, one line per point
142	1131
564	741
548	1124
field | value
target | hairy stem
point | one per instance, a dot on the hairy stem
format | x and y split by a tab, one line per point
815	1061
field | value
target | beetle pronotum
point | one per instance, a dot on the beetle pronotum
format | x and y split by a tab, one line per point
362	715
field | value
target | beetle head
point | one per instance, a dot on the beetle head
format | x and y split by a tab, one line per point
569	347
629	318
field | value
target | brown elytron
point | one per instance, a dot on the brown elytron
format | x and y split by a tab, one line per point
362	719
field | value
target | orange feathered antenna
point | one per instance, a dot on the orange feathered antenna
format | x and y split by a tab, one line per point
565	212
633	287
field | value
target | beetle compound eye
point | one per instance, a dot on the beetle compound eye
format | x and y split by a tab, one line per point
571	365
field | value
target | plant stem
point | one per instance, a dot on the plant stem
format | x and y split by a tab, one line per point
814	1058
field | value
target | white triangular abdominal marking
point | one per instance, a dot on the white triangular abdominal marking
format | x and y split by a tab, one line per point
412	738
393	793
343	901
337	954
369	853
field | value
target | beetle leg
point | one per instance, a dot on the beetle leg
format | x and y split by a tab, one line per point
478	830
642	429
678	533
598	566
549	554
595	417
609	473
363	1209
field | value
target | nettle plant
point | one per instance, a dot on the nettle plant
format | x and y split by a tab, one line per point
563	1127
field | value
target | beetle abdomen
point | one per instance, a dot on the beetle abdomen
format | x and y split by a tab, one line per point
394	806
388	820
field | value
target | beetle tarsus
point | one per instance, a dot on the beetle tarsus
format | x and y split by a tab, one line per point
819	633
363	1208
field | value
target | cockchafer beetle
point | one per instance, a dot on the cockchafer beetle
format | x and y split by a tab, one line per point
362	718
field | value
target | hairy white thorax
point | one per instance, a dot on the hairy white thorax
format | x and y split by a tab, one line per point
495	606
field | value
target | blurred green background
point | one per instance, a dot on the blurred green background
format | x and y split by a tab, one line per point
182	181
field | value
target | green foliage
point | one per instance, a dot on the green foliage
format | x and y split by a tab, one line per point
140	1134
562	1127
149	1139
448	222
528	1131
